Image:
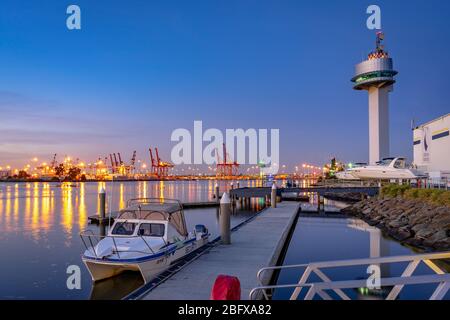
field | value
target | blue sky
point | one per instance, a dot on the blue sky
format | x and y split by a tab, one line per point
137	70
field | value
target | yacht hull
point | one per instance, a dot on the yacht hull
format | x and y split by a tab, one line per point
385	174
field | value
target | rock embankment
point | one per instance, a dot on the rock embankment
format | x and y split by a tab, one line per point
411	221
349	197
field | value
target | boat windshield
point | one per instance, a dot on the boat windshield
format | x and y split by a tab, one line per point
151	230
400	164
123	228
385	162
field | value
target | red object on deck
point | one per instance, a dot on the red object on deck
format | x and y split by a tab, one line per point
226	288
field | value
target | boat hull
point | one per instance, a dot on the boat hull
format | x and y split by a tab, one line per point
148	266
384	174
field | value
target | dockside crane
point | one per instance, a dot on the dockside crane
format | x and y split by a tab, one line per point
116	163
132	162
54	163
113	167
226	168
159	168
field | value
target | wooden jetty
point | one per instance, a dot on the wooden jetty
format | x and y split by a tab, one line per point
256	244
261	192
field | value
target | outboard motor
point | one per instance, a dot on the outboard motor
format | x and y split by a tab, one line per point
200	230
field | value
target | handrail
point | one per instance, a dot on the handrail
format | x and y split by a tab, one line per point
328	284
90	235
152	200
153	252
364	261
320	287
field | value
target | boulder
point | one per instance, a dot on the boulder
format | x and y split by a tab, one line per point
424	233
443	244
402	234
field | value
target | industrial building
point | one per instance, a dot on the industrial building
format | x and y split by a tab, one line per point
432	147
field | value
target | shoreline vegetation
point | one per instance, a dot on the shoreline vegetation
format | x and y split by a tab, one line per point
417	217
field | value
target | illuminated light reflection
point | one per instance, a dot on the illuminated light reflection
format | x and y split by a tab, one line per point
121	197
67	211
45	208
144	189
8	209
82	211
161	191
35	215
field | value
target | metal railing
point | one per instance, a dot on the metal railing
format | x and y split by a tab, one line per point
91	240
422	183
320	289
433	183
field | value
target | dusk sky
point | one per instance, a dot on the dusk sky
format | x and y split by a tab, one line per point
137	70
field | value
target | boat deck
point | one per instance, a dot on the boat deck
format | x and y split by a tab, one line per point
256	244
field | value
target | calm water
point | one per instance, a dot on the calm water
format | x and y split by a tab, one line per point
40	224
329	239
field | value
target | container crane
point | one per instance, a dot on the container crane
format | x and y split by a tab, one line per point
226	168
159	168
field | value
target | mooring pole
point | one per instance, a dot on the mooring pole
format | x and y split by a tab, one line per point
102	199
217	192
240	198
225	213
232	197
273	199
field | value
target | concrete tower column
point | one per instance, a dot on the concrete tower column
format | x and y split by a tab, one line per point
378	123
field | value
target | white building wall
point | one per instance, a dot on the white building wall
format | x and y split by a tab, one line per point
432	146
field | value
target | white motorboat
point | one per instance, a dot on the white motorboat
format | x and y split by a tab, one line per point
347	174
386	169
148	236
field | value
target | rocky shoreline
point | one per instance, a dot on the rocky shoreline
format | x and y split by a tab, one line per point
411	221
349	197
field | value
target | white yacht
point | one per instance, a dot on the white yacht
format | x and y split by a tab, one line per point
148	236
386	169
347	174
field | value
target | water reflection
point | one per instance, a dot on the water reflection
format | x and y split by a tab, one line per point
40	223
328	239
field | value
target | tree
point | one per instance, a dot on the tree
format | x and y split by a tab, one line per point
23	174
60	170
74	172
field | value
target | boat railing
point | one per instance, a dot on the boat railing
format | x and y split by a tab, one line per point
91	240
326	285
161	201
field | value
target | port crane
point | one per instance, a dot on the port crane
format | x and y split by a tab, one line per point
133	161
226	168
159	168
118	166
53	163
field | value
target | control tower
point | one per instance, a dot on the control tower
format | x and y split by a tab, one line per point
376	75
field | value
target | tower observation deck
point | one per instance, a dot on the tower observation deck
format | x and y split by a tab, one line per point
376	75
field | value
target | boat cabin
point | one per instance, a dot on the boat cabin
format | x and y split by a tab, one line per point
151	218
397	163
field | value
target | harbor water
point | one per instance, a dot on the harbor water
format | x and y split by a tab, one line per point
40	225
318	239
